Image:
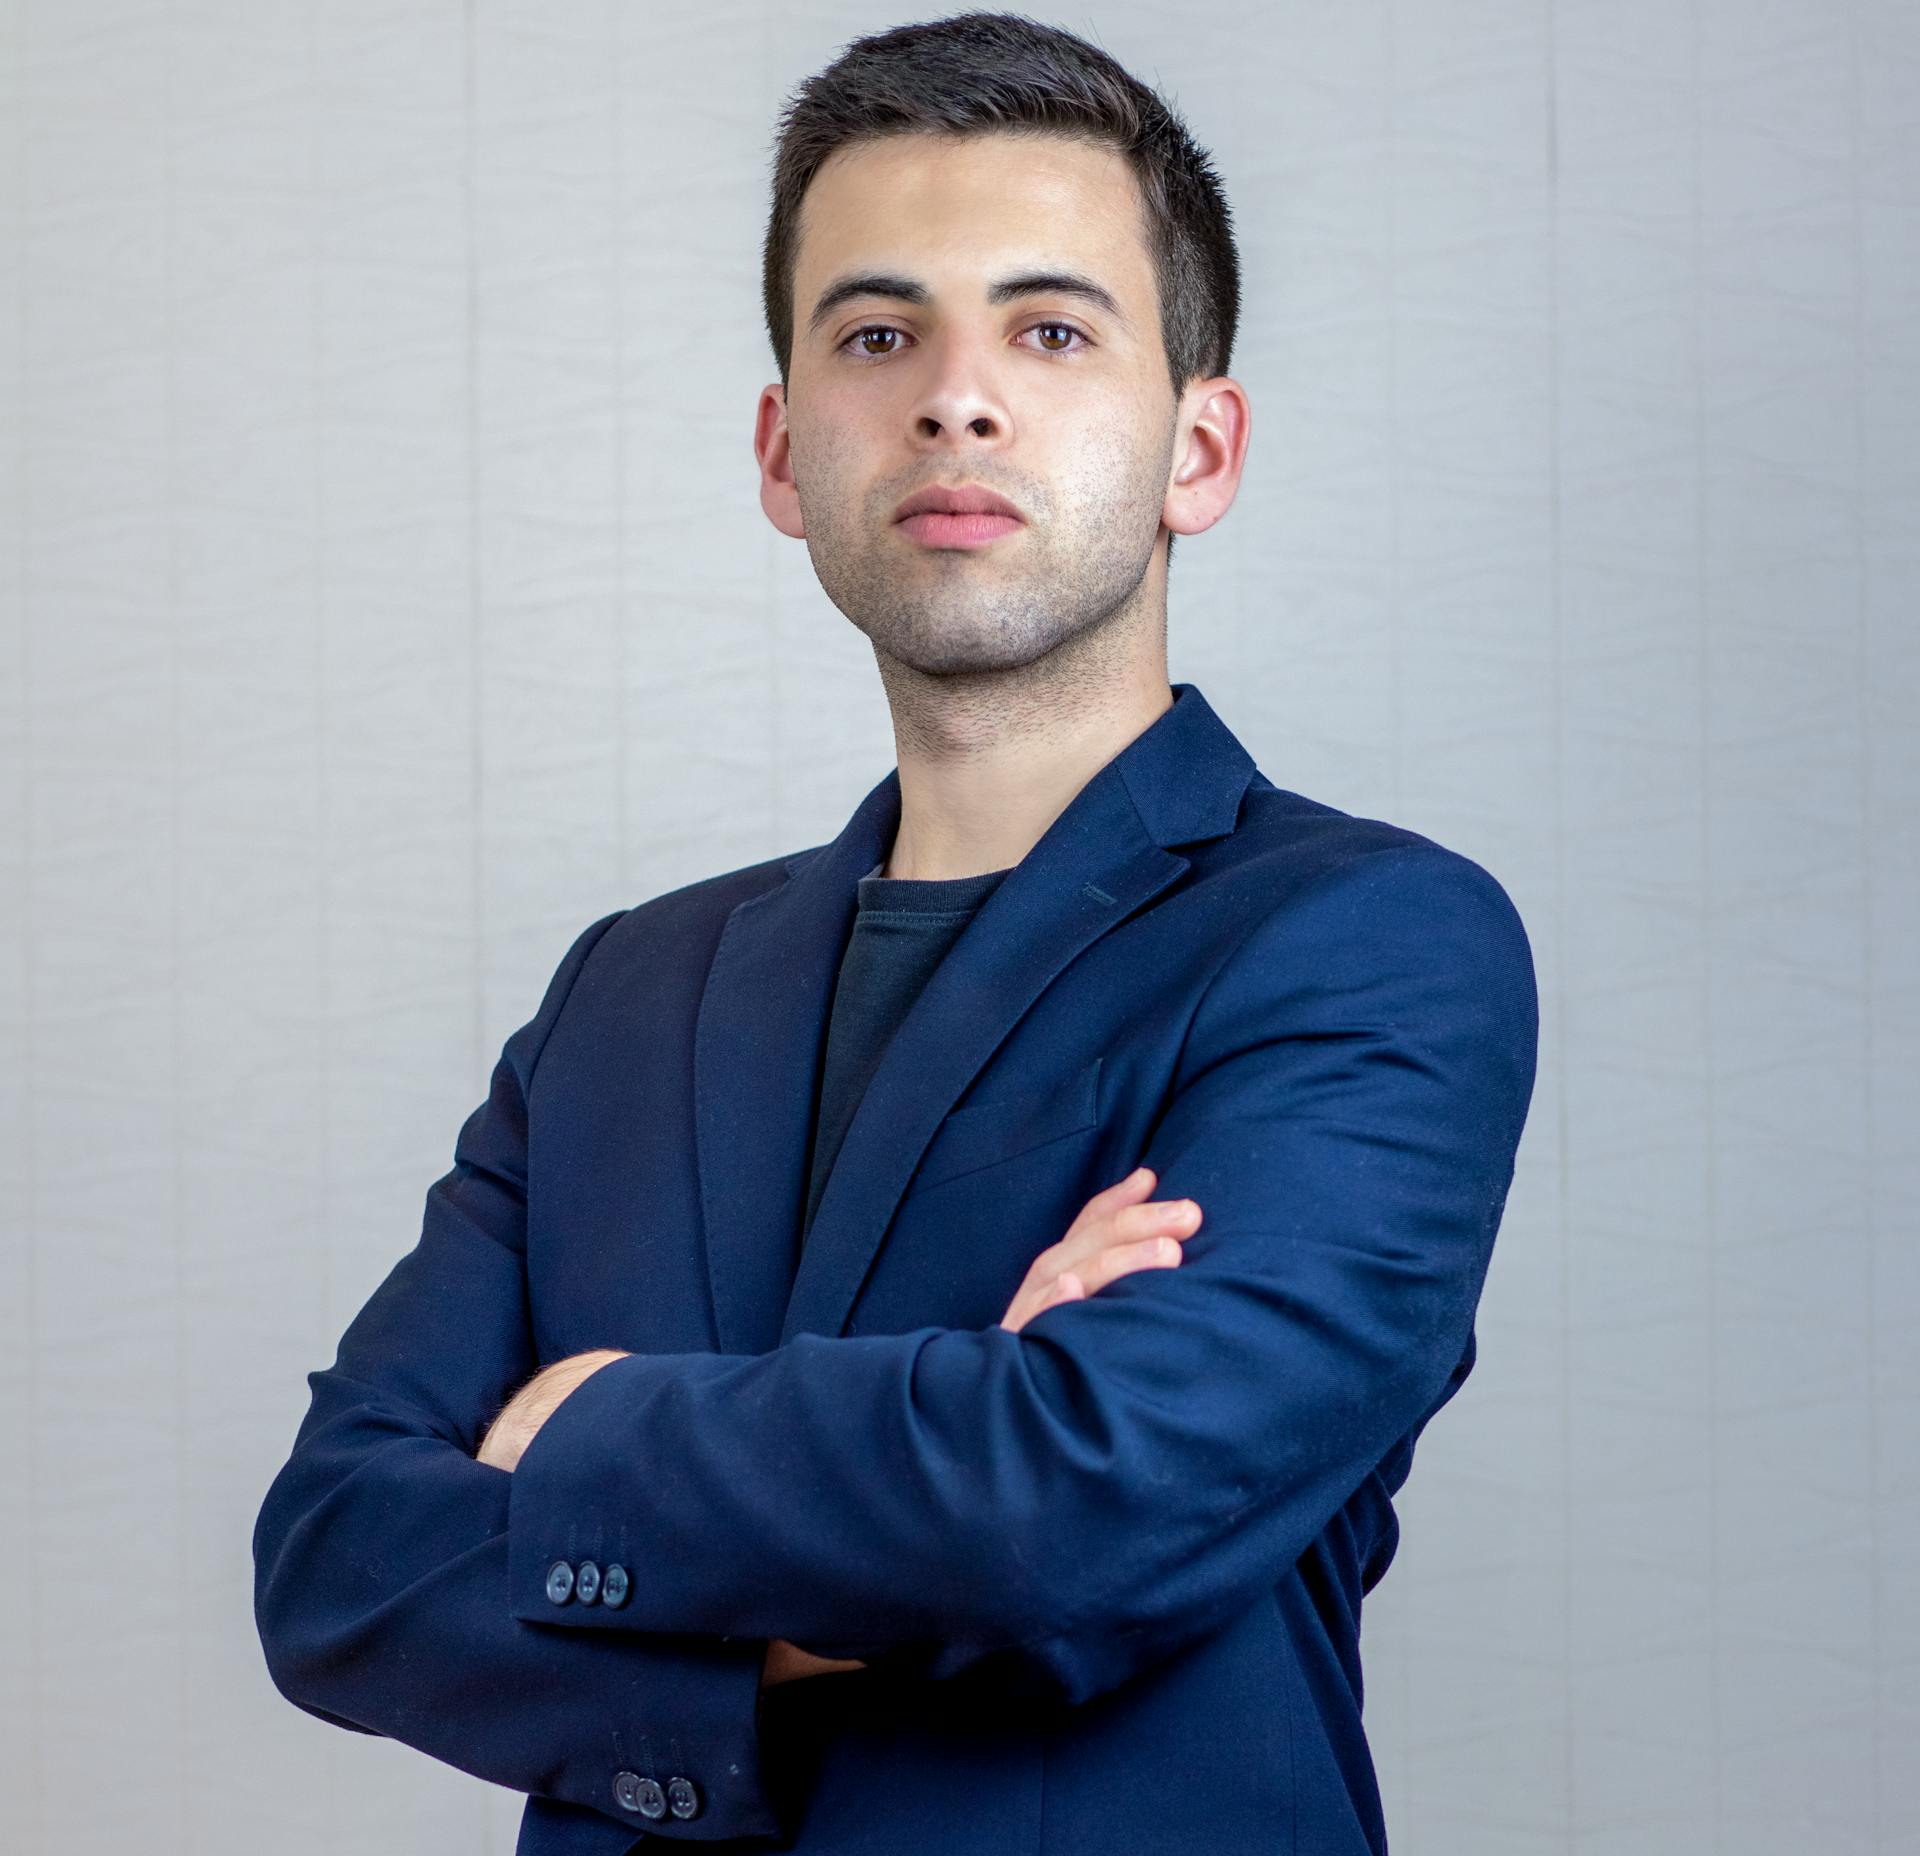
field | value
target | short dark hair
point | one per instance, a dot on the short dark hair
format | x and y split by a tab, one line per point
1001	73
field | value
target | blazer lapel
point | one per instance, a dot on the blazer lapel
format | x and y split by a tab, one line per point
763	1016
758	1046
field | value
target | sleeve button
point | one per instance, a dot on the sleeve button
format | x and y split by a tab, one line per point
684	1799
559	1582
633	1793
586	1582
613	1587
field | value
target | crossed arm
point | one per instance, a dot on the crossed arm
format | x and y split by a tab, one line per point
519	1423
1117	1232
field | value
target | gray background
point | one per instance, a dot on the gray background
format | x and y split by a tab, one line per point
384	595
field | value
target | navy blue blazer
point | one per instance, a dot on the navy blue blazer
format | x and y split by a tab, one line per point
1107	1571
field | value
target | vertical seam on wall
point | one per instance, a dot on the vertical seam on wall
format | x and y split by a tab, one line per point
1704	683
1877	1674
475	708
1569	1766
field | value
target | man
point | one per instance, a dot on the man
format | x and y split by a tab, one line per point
797	1424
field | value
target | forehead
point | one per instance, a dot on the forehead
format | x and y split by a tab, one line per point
970	205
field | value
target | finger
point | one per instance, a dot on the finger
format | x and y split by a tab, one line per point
1177	1218
1140	1180
1152	1253
1107	1202
1091	1235
1129	1225
1157	1217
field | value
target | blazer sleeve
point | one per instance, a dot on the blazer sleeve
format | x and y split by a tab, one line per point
380	1550
1056	1510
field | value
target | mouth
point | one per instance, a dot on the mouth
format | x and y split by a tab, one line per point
957	515
943	528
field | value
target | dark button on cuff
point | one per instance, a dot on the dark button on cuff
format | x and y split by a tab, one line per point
559	1582
613	1587
633	1793
586	1582
682	1796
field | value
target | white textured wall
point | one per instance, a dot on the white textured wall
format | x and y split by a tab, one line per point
384	595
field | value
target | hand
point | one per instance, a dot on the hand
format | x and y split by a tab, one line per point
536	1401
787	1662
1118	1231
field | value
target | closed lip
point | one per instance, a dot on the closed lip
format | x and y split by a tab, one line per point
967	499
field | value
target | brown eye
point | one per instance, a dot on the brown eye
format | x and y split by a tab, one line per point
861	334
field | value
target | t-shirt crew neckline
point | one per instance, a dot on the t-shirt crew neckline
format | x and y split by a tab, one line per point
918	895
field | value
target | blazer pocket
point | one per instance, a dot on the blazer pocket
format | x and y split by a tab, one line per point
985	1133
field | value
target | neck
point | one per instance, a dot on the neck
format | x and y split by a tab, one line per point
985	774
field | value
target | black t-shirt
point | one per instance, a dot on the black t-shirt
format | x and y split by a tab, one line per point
902	930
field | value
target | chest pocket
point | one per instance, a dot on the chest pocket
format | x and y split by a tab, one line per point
985	1133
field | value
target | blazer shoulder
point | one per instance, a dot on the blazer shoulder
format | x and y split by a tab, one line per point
1287	843
685	923
1293	839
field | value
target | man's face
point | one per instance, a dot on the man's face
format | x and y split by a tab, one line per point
1059	403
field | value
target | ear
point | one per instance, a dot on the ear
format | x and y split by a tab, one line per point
1216	421
778	497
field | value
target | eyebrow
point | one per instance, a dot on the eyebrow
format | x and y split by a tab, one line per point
1005	290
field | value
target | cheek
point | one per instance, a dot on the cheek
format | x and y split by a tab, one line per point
824	470
1109	469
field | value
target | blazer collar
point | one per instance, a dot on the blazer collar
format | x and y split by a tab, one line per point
761	1032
